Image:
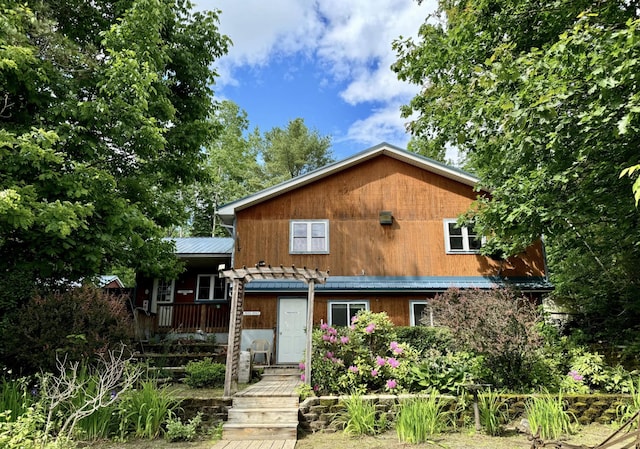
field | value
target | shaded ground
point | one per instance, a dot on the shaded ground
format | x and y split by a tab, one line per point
465	439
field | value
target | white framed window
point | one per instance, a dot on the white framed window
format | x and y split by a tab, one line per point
419	310
460	239
210	287
309	237
162	293
341	312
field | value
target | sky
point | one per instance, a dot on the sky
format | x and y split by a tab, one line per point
326	61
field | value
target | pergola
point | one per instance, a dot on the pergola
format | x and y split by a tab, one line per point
240	277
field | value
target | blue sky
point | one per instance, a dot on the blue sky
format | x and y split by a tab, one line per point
326	61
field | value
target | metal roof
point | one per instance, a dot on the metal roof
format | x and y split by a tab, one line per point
203	246
227	211
354	284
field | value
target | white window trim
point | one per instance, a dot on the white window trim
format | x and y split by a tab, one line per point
213	278
412	312
154	297
309	223
465	239
348	303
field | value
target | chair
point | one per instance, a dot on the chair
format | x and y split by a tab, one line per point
261	347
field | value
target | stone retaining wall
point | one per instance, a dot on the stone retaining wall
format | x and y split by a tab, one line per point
214	410
317	413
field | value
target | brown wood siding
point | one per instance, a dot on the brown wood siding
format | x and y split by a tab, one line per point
351	201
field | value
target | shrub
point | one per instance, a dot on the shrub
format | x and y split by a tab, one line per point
497	324
425	338
179	431
444	373
205	374
364	357
76	324
419	419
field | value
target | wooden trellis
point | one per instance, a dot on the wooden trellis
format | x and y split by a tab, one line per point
238	278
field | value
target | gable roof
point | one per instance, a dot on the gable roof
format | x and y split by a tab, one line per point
227	211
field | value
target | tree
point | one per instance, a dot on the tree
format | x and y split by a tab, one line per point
294	151
104	107
232	168
543	100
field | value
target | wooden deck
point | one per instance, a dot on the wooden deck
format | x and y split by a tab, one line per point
256	444
264	415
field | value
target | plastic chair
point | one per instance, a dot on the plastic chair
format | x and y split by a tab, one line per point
261	347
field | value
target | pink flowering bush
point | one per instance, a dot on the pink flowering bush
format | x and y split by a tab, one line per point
364	357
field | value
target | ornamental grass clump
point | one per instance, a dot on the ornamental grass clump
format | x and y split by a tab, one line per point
421	418
15	398
360	418
547	417
493	411
144	411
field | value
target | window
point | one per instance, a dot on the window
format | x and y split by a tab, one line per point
461	239
210	288
341	312
418	311
163	291
309	237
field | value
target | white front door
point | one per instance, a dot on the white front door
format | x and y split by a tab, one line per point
162	303
292	335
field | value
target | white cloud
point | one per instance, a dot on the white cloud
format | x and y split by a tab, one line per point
383	124
351	40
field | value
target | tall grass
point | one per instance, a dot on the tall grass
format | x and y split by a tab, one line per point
360	418
493	411
15	398
419	419
143	411
547	417
626	411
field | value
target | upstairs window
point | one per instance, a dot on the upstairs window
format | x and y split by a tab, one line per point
461	239
309	237
210	288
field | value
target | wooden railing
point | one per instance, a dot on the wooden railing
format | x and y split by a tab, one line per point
189	318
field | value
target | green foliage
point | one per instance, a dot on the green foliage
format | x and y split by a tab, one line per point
143	411
205	374
360	417
494	411
496	324
304	391
444	373
626	411
425	338
76	324
179	431
364	357
547	417
293	151
541	97
421	418
15	398
104	116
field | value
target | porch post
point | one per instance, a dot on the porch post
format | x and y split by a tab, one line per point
233	343
307	362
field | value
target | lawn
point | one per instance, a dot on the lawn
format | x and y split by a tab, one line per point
589	435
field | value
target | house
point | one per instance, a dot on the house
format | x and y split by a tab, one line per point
194	303
383	224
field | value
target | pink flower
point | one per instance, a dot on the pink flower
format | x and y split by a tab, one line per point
329	355
374	372
370	328
398	350
393	362
352	327
354	369
344	340
324	326
354	319
391	384
380	361
332	331
576	375
302	377
316	387
325	337
393	345
332	339
301	365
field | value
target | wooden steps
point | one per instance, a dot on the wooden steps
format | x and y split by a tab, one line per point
267	410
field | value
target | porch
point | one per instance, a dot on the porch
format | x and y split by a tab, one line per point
184	318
